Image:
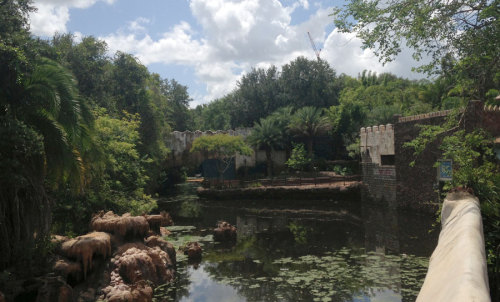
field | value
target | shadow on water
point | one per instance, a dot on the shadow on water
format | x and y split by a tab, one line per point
287	253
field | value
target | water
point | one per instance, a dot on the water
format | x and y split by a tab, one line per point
283	253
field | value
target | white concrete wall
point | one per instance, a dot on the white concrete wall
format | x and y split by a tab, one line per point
277	156
378	140
457	268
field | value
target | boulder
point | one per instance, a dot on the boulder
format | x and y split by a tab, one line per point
135	266
160	220
83	248
167	247
224	232
69	270
164	231
193	250
125	225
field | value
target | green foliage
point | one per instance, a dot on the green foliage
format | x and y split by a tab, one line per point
267	135
309	122
24	206
463	29
309	83
222	147
302	82
212	116
116	181
300	232
474	167
298	159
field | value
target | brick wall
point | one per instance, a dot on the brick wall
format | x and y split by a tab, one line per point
412	186
415	184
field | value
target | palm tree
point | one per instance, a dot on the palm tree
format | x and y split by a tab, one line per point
51	105
45	130
267	134
309	123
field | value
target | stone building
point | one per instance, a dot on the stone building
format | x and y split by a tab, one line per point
386	162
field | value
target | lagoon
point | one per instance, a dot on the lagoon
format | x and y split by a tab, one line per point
289	253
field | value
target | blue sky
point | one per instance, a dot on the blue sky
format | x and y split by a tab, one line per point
208	45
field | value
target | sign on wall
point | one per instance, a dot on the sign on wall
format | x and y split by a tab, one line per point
445	170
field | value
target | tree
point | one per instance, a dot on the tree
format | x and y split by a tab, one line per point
89	63
298	159
178	99
461	33
212	116
45	134
258	94
222	147
50	103
309	123
267	135
309	83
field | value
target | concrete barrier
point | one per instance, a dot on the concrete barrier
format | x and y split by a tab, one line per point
457	268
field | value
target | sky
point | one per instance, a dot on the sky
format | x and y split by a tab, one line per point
207	45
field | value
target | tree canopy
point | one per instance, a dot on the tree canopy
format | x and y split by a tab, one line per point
461	35
222	147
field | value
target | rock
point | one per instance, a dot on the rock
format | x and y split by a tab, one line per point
135	267
193	250
69	270
140	292
224	232
83	248
157	221
164	231
167	247
54	289
125	225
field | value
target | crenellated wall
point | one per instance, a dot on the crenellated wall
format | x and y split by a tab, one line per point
395	178
180	144
376	141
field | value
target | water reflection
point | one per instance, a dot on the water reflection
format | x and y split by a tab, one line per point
314	254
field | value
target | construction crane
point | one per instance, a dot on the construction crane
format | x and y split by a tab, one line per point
316	51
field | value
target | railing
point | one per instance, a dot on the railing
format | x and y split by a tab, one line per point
280	181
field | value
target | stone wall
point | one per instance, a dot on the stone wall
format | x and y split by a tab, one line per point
379	178
413	186
377	141
181	142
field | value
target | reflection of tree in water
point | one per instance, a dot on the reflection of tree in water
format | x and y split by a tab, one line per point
189	209
177	289
334	276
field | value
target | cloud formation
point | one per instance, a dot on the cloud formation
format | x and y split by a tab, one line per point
52	15
234	36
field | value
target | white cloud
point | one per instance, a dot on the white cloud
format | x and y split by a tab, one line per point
52	15
343	51
49	19
138	25
234	37
237	35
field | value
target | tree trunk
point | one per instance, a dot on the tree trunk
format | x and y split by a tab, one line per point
269	162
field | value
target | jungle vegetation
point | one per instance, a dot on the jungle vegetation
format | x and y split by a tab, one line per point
83	130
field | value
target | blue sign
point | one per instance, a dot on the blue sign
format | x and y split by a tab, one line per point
445	170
